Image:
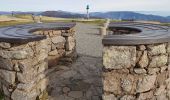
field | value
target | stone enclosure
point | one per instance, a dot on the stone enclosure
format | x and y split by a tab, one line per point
134	71
135	62
24	64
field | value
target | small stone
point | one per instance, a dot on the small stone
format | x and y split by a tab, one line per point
144	60
6	64
42	85
162	97
8	76
168	94
138	55
58	39
163	68
16	67
109	97
68	74
18	55
156	49
127	97
21	95
126	85
146	83
75	94
168	48
70	44
160	90
141	47
56	32
140	71
66	89
6	91
145	96
53	53
159	61
5	45
152	71
161	78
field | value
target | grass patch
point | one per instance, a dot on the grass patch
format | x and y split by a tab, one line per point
165	24
1	96
27	19
14	22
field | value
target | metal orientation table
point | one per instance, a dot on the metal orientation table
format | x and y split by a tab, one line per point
143	33
23	33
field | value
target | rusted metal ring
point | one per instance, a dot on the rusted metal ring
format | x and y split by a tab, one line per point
23	33
147	34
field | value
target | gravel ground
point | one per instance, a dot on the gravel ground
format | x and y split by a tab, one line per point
89	42
81	80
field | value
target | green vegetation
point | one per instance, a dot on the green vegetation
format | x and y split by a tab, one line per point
166	24
1	96
8	20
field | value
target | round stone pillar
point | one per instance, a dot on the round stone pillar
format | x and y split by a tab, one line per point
138	72
22	70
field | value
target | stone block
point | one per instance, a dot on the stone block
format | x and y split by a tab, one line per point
158	61
144	60
6	64
127	97
70	43
140	71
53	53
58	39
5	45
152	71
168	48
8	76
119	57
6	91
156	49
145	96
146	83
17	55
21	95
109	97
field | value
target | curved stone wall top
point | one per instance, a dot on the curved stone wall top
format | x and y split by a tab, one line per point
147	34
23	33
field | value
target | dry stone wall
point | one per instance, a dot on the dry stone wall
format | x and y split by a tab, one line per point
61	45
136	72
22	70
24	67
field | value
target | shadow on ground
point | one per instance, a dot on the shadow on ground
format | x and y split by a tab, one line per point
79	81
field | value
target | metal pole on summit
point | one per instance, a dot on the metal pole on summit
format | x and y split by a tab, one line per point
87	8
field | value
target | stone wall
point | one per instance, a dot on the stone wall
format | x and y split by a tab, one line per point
22	70
136	72
61	45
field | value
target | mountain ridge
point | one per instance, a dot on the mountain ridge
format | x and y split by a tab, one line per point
117	15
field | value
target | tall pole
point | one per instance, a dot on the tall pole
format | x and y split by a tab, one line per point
88	16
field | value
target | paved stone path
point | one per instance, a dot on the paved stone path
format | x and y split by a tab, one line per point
82	79
89	42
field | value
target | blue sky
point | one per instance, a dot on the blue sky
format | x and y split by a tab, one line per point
79	5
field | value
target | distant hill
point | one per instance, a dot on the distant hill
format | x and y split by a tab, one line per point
130	15
62	14
4	13
112	15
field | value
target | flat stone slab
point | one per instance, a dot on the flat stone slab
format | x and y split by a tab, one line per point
23	33
145	34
